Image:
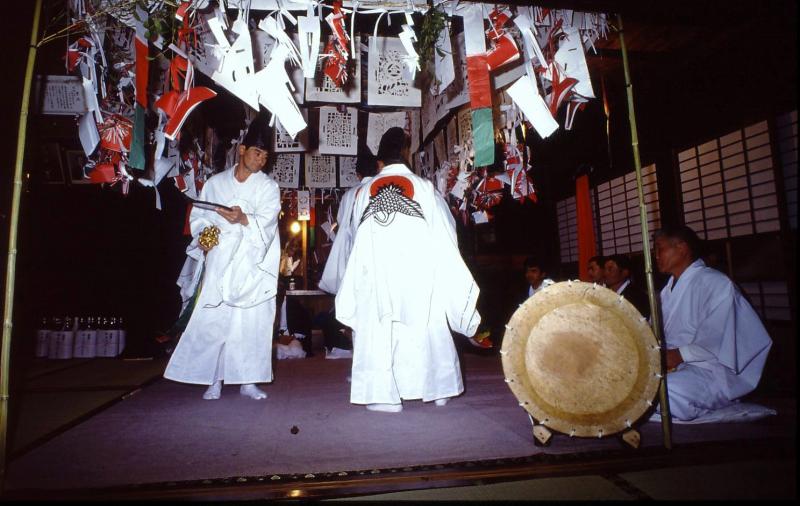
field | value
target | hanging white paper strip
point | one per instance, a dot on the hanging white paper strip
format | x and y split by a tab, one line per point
320	170
286	170
303	205
347	171
385	82
322	89
338	131
283	142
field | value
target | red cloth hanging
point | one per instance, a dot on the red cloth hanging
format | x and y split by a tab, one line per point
586	239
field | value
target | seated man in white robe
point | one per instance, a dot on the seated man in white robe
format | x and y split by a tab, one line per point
716	343
405	282
229	334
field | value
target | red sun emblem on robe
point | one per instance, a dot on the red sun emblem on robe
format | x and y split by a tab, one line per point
388	196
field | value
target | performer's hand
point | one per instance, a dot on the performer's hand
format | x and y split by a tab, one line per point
674	359
235	215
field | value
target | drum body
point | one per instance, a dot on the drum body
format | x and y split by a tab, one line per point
581	359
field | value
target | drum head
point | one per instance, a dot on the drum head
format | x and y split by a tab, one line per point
581	359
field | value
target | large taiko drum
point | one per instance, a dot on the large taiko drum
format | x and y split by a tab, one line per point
581	360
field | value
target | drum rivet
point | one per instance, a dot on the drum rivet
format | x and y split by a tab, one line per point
508	328
659	376
571	432
599	433
649	403
569	282
621	298
628	423
523	404
503	352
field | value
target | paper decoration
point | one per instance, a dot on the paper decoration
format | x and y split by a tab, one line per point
320	170
236	71
63	95
572	61
263	44
284	143
322	89
272	84
286	170
464	127
379	122
526	95
303	205
483	136
338	131
347	171
385	82
308	42
444	69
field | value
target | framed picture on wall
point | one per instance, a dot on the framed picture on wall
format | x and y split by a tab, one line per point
75	161
51	167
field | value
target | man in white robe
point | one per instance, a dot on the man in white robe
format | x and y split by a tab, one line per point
716	343
229	335
346	226
405	282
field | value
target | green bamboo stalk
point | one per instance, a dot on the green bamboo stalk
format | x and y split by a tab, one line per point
648	264
8	306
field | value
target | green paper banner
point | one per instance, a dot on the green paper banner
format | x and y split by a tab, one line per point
483	136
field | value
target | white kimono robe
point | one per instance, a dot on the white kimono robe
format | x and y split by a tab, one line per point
405	282
342	243
720	337
229	334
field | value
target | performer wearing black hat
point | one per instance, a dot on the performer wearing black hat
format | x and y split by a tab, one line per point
232	268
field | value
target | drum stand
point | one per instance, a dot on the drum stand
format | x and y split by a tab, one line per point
542	436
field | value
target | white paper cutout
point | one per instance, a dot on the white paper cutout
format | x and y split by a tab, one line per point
263	45
408	37
526	95
286	170
303	206
347	171
309	42
444	69
88	133
434	108
275	96
572	60
284	143
385	82
235	72
320	170
475	39
322	89
378	123
338	131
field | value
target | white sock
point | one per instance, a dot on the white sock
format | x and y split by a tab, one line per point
252	391
441	402
214	391
385	408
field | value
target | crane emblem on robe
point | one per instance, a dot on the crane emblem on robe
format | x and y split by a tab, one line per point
389	196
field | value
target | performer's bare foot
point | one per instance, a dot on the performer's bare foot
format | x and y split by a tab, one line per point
441	402
252	391
385	408
214	391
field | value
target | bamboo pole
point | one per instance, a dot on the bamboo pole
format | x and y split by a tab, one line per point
8	307
648	264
